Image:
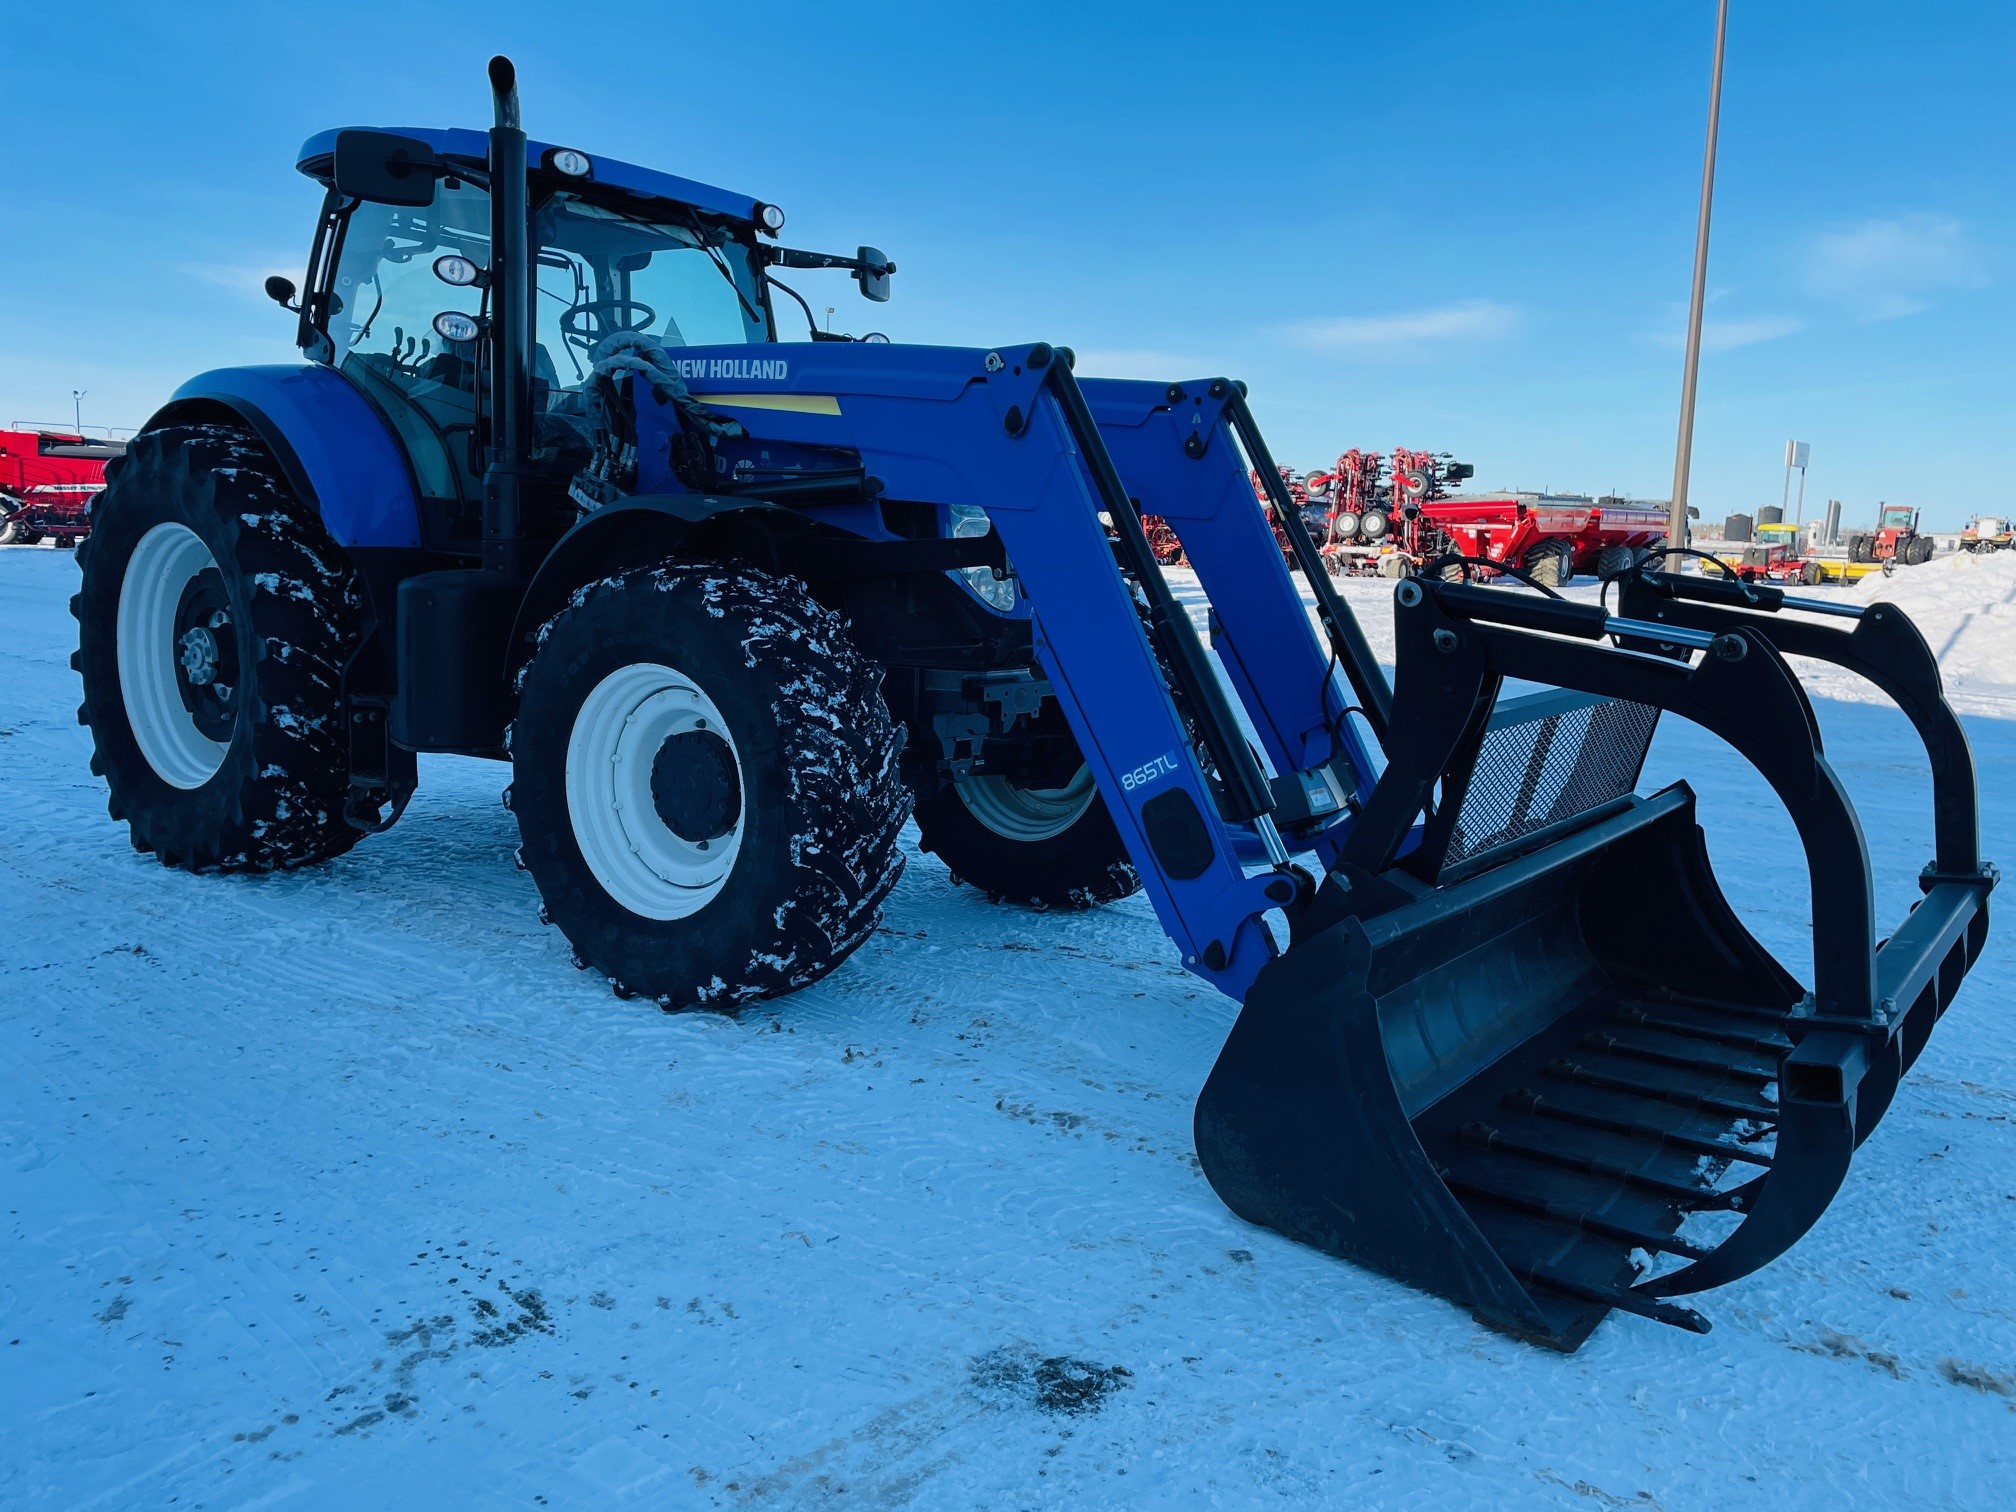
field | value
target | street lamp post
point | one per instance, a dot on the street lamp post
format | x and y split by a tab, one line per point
77	408
1676	520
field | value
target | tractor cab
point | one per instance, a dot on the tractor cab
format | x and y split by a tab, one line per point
401	298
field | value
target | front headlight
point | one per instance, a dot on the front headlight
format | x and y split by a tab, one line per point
968	522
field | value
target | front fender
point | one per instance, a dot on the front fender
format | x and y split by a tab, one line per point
337	452
636	532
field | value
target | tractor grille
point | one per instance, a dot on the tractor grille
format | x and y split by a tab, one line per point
1544	759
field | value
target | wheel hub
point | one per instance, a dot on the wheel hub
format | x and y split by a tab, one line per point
654	791
206	654
199	655
694	786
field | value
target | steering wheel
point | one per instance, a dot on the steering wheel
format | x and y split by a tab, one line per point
589	323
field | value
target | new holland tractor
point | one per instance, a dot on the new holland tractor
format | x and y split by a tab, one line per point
548	488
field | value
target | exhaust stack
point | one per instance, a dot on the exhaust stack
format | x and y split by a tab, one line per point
511	330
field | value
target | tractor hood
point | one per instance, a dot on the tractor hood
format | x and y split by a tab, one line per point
318	153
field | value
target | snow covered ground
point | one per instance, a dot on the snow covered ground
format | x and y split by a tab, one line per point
342	1188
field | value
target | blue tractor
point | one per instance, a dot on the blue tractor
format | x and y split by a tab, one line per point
548	488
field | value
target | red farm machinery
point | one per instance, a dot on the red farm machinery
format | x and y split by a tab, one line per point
1397	514
1896	538
48	478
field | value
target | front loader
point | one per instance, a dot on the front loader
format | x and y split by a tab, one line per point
548	489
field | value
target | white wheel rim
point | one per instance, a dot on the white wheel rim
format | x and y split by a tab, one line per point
638	858
1027	814
167	559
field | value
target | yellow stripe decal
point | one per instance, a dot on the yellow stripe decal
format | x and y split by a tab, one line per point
797	404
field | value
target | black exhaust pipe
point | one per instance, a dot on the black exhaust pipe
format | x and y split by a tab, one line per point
511	275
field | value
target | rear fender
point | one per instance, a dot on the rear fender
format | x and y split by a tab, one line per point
339	456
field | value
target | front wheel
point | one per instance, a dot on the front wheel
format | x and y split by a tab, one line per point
705	781
1038	847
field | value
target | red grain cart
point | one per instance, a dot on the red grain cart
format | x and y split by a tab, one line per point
47	481
1553	537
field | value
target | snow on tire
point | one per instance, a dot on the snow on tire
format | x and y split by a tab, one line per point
706	785
214	619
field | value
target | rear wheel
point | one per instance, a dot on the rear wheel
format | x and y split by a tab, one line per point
705	780
1921	551
1615	561
1050	847
1860	549
1551	562
1812	574
214	619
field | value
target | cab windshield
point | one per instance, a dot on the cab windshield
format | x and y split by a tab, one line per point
665	273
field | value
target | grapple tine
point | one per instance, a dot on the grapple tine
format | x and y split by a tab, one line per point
1527	1101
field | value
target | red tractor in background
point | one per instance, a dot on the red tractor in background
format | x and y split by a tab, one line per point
47	481
1895	539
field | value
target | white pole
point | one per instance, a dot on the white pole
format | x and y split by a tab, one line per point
1676	520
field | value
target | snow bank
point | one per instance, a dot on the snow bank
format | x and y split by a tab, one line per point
1965	607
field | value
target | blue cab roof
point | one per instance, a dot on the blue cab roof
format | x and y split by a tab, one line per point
474	146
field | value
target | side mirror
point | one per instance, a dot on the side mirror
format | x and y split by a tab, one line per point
874	285
385	168
281	291
1693	513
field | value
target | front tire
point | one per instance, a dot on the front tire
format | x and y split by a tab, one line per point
705	780
1036	847
214	620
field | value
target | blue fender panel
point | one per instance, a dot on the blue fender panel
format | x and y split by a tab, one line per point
332	444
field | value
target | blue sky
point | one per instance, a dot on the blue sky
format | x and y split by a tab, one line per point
1466	227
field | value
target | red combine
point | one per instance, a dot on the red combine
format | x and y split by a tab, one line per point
47	481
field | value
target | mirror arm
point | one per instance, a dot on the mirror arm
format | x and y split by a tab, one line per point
792	257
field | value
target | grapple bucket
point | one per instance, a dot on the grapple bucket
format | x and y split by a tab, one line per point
1520	1051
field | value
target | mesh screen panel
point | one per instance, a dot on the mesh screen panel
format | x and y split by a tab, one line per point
1533	772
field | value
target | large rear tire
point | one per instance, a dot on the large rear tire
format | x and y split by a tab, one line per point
1040	848
1551	562
214	619
705	780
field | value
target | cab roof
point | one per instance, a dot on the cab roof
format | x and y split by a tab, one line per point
318	154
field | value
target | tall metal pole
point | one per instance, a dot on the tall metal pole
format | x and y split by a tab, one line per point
77	400
1676	519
